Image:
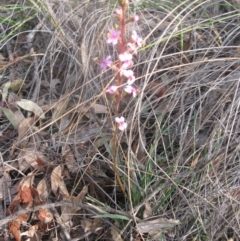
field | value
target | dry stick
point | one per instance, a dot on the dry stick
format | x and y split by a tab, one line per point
65	233
36	78
32	33
10	53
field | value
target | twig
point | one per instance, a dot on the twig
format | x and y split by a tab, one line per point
64	229
33	32
36	78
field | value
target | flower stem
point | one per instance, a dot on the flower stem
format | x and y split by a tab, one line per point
117	102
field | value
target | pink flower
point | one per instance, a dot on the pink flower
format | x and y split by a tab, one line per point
106	63
118	12
122	125
112	89
131	90
136	39
126	59
113	36
130	75
132	48
135	18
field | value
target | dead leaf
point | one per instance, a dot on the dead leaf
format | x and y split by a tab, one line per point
14	228
69	158
68	212
60	106
31	106
195	161
24	126
14	205
26	195
155	225
90	224
86	224
115	234
147	211
29	157
45	216
100	109
14	86
57	184
76	200
31	231
26	192
42	190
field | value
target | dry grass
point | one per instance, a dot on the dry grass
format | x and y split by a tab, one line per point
180	155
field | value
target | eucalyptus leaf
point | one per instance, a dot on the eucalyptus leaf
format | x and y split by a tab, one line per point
31	106
8	113
14	85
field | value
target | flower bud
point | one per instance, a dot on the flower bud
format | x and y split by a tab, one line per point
123	3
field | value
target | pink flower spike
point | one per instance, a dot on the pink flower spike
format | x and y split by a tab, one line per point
106	63
122	125
112	89
113	36
138	40
125	57
131	90
126	60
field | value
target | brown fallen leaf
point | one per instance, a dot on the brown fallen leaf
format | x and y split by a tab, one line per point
147	211
31	231
30	157
42	190
45	216
68	212
14	228
31	106
195	161
75	201
90	224
115	234
57	183
24	127
155	225
60	106
69	159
